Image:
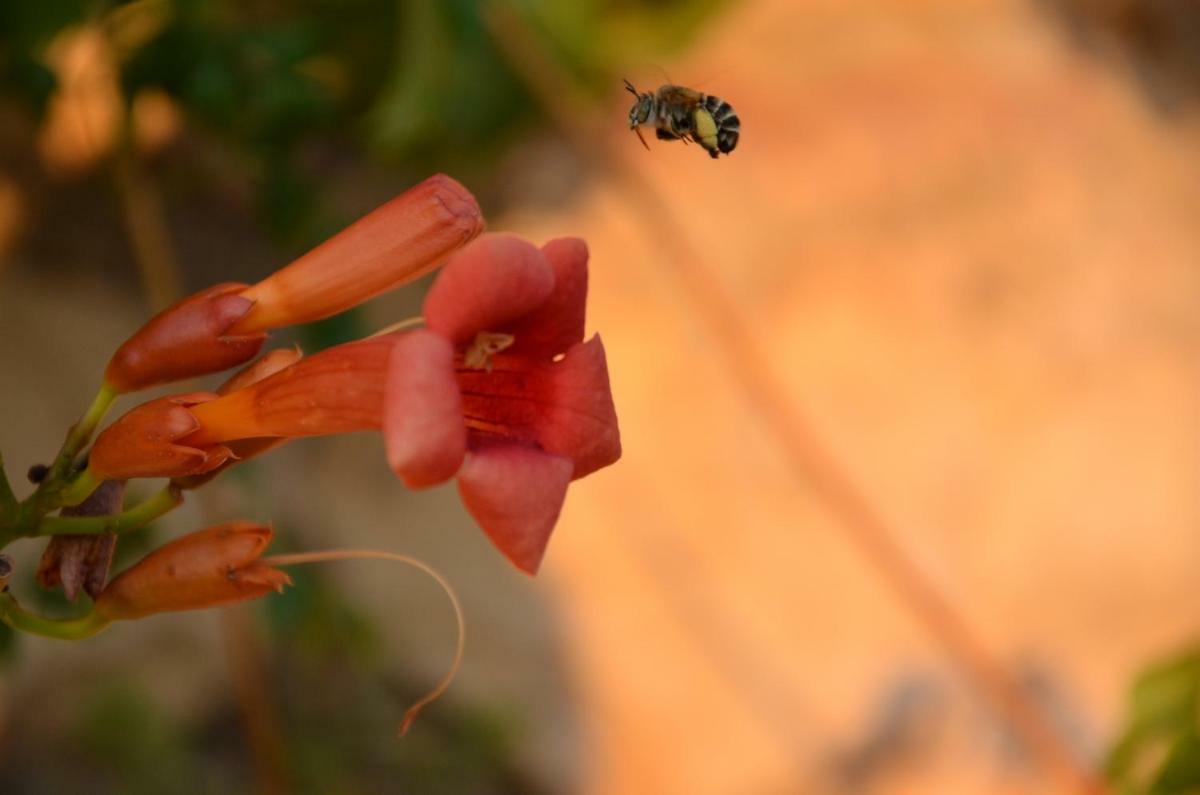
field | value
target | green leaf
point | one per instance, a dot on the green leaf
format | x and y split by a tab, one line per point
1165	697
1181	772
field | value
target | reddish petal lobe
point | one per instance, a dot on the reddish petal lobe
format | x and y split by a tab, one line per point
422	411
558	323
490	283
515	494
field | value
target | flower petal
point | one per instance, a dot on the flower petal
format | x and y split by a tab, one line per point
486	286
565	408
515	494
558	323
581	422
422	411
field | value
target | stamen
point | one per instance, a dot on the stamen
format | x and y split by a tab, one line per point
411	713
487	344
402	325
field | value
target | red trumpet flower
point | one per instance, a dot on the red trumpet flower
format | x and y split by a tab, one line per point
502	390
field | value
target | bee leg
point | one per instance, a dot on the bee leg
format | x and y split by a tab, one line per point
665	135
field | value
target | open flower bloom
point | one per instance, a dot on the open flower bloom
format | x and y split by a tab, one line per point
502	390
215	566
225	325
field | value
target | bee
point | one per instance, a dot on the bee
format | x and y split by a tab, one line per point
679	113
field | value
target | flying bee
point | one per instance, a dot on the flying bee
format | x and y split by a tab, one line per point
679	113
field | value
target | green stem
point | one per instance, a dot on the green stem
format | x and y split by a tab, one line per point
85	626
138	516
79	489
81	432
49	493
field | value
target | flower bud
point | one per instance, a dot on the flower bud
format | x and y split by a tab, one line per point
215	566
391	246
142	443
188	339
264	367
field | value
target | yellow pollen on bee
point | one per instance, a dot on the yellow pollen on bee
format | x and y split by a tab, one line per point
706	128
478	355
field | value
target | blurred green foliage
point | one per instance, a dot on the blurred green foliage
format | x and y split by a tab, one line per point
120	728
1158	752
417	85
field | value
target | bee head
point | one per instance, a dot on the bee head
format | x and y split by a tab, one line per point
643	106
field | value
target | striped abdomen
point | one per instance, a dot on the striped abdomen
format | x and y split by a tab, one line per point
727	123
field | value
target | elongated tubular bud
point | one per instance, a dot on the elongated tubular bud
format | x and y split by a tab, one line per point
188	339
215	566
391	246
144	442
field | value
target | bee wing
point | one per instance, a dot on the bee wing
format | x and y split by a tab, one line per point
679	95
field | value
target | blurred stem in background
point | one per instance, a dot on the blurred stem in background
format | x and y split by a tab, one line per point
813	462
145	222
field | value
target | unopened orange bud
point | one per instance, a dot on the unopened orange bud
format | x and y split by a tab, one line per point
188	339
143	443
215	566
265	366
393	245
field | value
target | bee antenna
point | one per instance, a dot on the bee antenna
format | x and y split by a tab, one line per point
629	87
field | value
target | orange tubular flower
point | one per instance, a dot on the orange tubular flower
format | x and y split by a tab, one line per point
338	390
402	240
225	325
215	566
185	437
